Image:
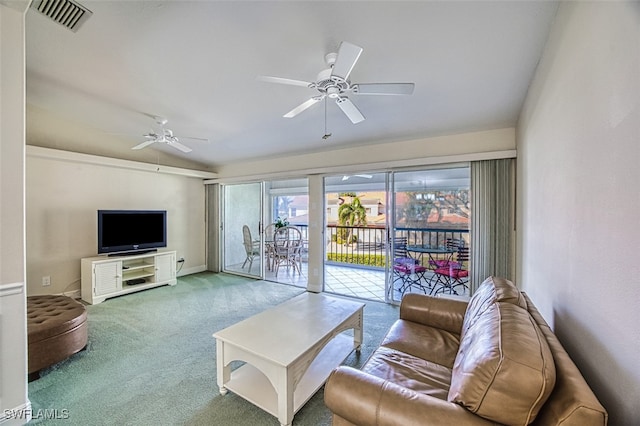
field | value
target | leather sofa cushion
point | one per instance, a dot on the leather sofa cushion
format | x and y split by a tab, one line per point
442	313
493	289
497	289
409	371
429	343
504	370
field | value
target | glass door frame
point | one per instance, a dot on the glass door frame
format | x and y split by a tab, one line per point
256	232
390	249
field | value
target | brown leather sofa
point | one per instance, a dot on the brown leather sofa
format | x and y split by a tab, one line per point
492	360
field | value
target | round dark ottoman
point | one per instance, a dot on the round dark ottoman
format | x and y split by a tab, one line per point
57	328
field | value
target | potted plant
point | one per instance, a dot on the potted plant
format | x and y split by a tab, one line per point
281	222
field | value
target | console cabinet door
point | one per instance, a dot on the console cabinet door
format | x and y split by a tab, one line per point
165	267
108	277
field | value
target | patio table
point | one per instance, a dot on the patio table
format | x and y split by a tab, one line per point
433	253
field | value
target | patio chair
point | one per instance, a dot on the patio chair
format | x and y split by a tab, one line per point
269	231
454	276
287	247
406	269
251	247
452	244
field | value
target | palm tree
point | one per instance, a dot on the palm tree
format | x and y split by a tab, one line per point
352	214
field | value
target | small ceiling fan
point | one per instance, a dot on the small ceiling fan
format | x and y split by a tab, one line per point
166	136
346	177
334	83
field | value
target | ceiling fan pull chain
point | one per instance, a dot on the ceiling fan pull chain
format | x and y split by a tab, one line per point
326	135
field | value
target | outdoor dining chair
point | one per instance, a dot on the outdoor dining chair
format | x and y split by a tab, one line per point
454	276
406	269
268	237
287	248
251	247
452	244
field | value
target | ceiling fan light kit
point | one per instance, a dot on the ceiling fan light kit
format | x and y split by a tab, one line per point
333	83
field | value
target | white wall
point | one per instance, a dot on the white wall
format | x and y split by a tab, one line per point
435	150
62	198
578	195
13	333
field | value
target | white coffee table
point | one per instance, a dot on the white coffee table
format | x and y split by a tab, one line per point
289	351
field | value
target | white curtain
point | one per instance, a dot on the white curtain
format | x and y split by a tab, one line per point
491	220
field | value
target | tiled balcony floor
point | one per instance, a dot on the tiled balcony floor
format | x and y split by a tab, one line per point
365	283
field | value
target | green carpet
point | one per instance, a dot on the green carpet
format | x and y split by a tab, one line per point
151	358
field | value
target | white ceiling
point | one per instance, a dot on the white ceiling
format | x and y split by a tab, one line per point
197	63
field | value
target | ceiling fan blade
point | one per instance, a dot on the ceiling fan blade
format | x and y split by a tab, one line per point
288	81
348	55
350	110
383	88
308	103
179	146
144	144
346	177
195	139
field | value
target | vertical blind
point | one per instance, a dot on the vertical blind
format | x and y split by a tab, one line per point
491	219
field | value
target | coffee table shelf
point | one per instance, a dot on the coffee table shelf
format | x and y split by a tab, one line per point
256	388
288	351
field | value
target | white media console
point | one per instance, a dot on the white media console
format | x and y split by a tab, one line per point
104	277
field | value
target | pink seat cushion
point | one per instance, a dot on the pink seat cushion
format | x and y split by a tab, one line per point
453	273
408	269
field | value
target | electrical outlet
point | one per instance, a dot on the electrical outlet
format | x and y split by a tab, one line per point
46	281
181	260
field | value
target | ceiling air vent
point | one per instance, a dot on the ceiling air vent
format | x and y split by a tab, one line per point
65	12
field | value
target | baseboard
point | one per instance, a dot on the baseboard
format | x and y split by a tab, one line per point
193	270
19	415
74	294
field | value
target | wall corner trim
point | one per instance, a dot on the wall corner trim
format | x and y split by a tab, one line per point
19	415
11	288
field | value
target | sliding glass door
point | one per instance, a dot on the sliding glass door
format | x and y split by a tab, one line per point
430	244
241	229
356	235
387	233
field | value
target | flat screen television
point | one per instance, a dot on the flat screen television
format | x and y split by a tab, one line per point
131	231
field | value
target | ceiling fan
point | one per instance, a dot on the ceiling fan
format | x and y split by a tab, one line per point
166	136
334	83
346	177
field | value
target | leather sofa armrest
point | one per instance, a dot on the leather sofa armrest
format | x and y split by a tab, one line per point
445	314
363	399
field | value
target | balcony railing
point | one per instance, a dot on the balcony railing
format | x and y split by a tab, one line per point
366	246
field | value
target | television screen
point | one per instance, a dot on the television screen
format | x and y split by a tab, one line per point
131	230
